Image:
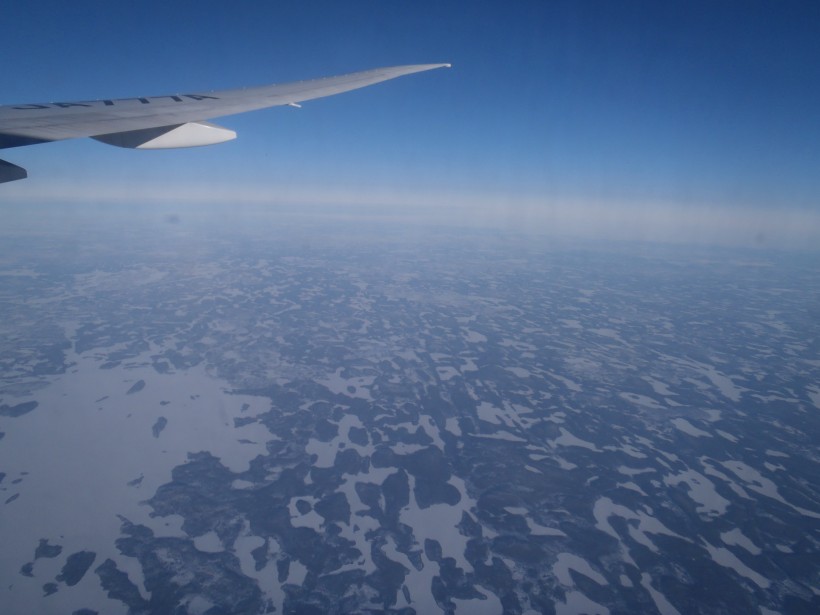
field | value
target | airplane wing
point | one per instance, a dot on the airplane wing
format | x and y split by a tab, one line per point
175	120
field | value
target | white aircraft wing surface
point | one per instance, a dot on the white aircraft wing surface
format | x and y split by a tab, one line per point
175	120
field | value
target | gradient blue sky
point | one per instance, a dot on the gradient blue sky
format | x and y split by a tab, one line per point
695	105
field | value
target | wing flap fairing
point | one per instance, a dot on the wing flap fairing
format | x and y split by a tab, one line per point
11	172
192	134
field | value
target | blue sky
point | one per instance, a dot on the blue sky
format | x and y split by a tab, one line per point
620	106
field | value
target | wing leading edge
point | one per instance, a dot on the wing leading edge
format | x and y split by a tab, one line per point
174	120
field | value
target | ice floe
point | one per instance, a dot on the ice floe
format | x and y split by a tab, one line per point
208	543
634	471
569	561
737	538
536	529
604	508
641	400
489	605
356	386
702	491
660	388
689	429
726	436
661	603
568	439
473	337
452	426
755	481
727	559
519	371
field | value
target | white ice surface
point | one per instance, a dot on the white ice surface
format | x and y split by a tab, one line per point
83	444
661	603
689	429
702	491
726	558
738	538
